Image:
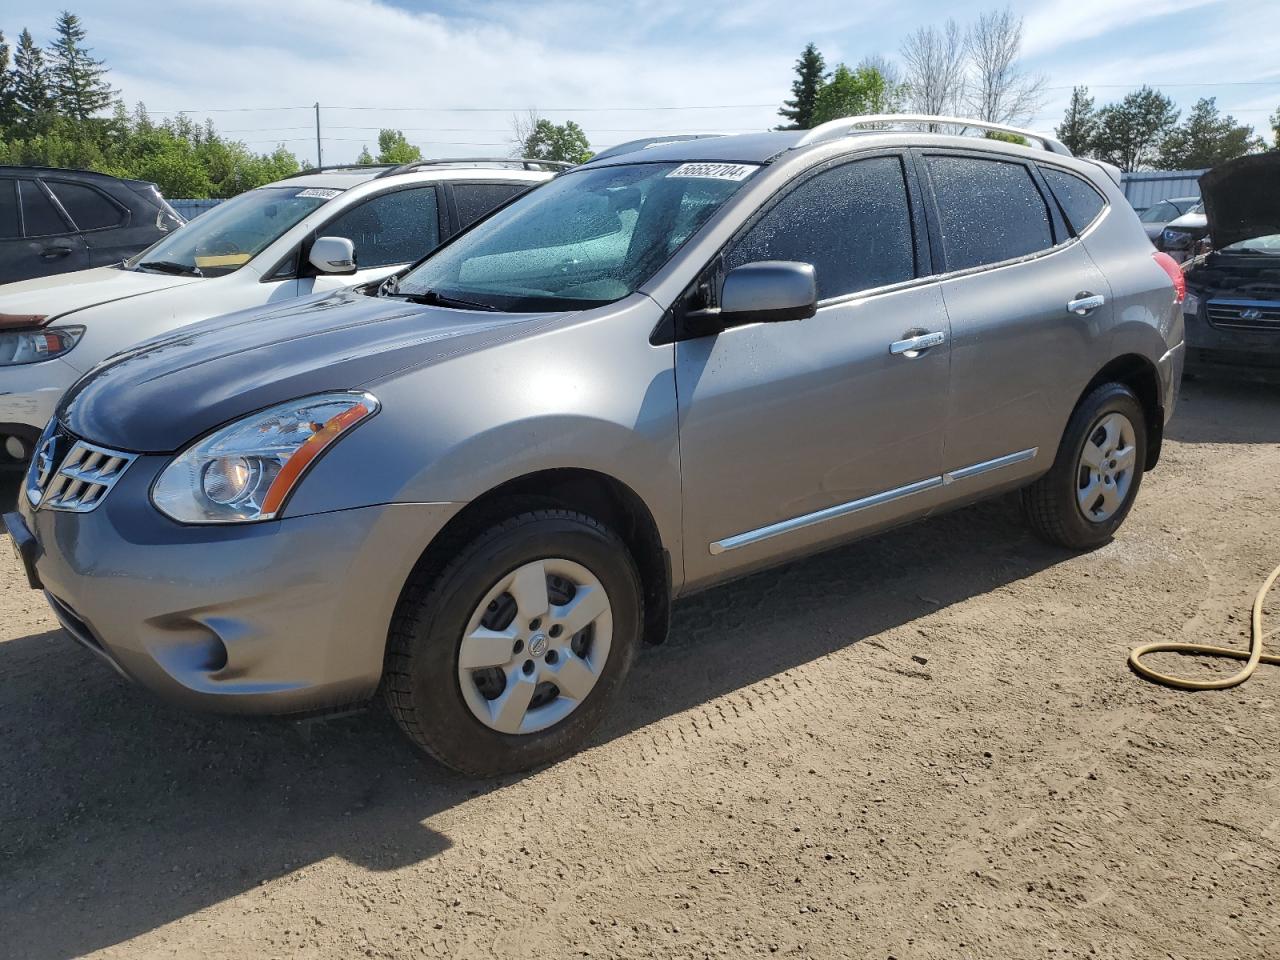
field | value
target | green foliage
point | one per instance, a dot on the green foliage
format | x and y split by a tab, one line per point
852	93
566	142
811	74
1275	127
365	156
1079	126
1006	137
1206	139
50	116
394	148
1130	132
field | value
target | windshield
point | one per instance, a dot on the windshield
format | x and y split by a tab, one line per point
1160	213
1269	245
232	233
585	239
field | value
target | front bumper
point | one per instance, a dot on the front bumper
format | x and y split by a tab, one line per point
30	392
1211	346
279	617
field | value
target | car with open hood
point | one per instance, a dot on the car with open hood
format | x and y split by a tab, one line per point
308	234
1233	291
478	488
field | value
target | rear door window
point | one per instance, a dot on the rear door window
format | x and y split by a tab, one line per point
989	211
392	228
39	216
89	209
1079	200
852	222
473	200
9	228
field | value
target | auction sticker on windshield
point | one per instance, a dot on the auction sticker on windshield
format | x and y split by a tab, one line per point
319	193
714	171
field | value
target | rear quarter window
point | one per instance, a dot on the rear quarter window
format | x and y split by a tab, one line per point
1079	200
989	211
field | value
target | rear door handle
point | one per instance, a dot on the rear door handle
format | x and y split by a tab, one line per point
55	250
912	347
1085	303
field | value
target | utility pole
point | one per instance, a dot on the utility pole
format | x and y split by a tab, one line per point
319	158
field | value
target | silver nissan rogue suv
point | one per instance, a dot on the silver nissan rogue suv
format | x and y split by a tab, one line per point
478	486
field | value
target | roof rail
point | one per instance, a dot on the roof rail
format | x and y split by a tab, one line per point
836	129
525	163
330	168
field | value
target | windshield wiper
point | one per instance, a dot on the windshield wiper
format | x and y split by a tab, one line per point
170	266
433	299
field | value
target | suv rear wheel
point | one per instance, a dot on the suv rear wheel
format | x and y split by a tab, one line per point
1083	499
510	655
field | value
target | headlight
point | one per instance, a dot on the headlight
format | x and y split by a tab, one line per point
1176	239
32	346
245	471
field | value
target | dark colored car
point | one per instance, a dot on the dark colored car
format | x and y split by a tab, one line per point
56	221
1233	292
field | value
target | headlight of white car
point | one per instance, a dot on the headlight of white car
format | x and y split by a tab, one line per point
32	346
246	470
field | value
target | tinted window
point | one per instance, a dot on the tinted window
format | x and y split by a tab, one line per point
39	217
474	200
397	227
1080	201
853	223
87	207
8	209
988	211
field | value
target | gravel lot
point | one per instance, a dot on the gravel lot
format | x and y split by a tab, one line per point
926	745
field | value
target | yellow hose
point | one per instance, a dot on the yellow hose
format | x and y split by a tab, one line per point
1254	655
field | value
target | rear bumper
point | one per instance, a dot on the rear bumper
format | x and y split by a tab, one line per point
280	617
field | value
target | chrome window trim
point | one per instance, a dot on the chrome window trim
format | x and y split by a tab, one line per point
874	500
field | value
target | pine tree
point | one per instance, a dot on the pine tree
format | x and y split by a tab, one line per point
1079	126
76	77
811	74
32	97
1206	139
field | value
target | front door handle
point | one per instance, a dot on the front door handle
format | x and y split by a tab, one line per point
1085	303
912	347
56	250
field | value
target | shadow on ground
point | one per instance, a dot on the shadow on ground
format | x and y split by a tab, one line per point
122	814
1215	408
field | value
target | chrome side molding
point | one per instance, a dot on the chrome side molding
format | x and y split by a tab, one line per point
875	500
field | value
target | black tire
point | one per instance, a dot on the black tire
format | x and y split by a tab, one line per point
421	682
1050	504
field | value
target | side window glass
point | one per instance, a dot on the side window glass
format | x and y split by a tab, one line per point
9	210
39	216
86	206
852	222
1162	212
474	200
988	211
1078	199
393	228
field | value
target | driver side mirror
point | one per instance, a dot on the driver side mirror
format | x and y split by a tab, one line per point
767	291
333	255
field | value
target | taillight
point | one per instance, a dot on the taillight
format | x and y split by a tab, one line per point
1170	266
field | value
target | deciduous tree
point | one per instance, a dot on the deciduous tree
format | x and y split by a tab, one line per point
998	89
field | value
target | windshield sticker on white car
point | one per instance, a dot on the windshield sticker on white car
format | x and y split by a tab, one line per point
714	171
320	193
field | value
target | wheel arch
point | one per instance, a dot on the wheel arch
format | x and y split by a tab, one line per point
604	497
1139	374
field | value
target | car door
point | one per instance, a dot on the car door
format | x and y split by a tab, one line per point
389	230
797	434
48	243
1027	308
101	221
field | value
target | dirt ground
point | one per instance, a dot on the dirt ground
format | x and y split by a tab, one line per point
926	745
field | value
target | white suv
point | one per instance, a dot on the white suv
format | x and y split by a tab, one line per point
311	233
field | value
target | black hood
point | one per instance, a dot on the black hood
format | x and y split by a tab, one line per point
1242	198
156	397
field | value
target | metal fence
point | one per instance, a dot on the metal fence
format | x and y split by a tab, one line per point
190	209
1148	187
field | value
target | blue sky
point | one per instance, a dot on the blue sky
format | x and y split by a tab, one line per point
727	63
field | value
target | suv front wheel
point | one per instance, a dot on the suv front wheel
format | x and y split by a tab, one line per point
509	656
1086	495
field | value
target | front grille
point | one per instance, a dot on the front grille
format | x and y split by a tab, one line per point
70	474
1245	314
